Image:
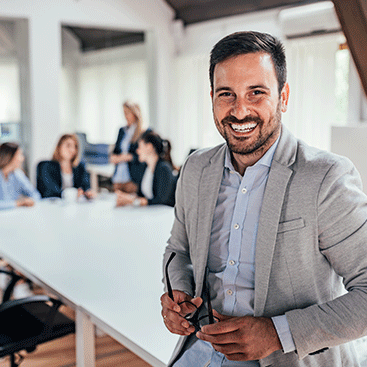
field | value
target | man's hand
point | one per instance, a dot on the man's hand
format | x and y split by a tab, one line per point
173	313
244	338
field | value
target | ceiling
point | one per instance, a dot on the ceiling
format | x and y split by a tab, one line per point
194	11
97	38
189	11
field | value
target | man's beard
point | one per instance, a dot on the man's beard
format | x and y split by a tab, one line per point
263	139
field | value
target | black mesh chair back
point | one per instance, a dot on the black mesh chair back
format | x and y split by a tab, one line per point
28	322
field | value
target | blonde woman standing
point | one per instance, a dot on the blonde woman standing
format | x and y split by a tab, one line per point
129	171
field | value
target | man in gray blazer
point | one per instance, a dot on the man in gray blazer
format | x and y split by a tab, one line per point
268	230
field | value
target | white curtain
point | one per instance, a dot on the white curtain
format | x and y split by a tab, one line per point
9	91
191	111
102	90
311	76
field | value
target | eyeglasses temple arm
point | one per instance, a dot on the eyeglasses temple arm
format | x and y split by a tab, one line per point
169	287
207	290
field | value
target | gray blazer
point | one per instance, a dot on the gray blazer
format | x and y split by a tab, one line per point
311	258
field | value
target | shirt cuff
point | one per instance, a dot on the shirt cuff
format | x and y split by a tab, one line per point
284	333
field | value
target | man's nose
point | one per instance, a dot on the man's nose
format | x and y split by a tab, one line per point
240	109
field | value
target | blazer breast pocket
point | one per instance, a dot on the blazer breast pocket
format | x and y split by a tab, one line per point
291	225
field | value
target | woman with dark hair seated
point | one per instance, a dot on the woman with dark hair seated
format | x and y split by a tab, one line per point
159	183
64	170
15	187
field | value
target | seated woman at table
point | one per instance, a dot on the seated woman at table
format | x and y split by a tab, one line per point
159	182
64	170
129	170
15	187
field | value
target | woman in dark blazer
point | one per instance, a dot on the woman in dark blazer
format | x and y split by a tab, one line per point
158	184
129	171
64	170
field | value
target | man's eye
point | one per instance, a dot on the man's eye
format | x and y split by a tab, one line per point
255	95
225	94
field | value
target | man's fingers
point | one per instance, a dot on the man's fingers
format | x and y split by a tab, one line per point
176	323
228	349
197	301
221	317
167	302
226	338
226	326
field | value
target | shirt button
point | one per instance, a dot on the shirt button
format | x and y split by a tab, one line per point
230	292
244	191
236	226
232	262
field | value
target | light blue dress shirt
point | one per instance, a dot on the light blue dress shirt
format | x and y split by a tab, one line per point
15	186
231	259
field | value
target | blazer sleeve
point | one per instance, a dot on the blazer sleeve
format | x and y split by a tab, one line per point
162	184
81	177
342	237
49	179
117	148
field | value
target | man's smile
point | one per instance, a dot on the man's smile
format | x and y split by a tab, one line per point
243	128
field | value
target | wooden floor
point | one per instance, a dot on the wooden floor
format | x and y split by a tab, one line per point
61	352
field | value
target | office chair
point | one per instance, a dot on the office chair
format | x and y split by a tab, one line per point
28	322
92	153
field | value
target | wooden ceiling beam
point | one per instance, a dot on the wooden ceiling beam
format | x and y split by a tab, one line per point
352	15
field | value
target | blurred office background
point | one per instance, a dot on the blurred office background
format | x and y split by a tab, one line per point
68	66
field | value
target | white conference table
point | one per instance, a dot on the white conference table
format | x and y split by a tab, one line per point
105	262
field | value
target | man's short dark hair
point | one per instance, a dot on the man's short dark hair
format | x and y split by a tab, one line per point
240	43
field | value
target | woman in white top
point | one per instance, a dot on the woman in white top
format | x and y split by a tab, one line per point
15	187
64	170
158	184
129	170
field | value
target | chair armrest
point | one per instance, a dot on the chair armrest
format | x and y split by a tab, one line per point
9	289
23	301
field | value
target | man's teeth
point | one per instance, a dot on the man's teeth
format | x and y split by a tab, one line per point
243	128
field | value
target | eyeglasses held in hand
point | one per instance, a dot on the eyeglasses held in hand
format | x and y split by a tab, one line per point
196	316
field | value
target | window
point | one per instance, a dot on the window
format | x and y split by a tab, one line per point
10	111
342	57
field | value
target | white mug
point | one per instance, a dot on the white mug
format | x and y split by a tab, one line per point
70	195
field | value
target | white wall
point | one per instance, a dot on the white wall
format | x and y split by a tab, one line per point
44	34
351	142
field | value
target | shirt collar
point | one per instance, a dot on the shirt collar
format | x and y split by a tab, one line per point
265	160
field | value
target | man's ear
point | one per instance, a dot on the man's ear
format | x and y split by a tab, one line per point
284	95
211	94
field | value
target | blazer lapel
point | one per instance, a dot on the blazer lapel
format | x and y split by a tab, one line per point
276	187
208	193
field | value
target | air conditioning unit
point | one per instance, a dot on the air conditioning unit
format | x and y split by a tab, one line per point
309	20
